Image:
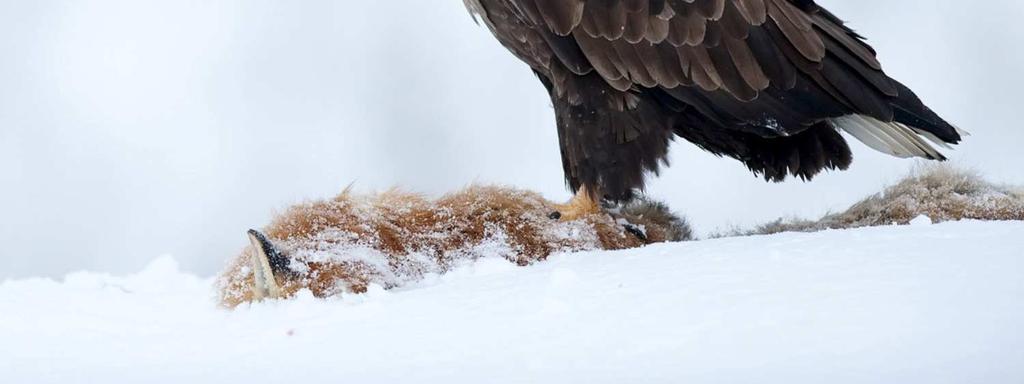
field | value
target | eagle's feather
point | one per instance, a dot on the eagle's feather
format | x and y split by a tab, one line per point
768	82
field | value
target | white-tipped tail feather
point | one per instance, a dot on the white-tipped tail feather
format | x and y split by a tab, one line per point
892	138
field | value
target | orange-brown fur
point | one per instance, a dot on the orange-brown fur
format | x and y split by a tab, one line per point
345	244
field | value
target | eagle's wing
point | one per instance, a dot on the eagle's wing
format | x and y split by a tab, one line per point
770	67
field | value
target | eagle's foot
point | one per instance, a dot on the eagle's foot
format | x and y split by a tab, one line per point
581	205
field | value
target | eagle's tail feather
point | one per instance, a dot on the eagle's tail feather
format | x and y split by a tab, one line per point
893	138
907	132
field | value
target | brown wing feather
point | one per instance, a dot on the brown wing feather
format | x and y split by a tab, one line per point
762	81
741	47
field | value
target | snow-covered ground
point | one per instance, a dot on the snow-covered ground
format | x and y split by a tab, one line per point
917	304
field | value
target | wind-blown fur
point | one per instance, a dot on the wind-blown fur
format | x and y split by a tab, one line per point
347	243
768	82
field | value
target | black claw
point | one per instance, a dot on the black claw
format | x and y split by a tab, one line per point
635	231
555	215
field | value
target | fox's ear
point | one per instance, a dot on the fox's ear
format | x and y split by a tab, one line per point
268	264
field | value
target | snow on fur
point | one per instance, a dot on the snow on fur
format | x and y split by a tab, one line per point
352	241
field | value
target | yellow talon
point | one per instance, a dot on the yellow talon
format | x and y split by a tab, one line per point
581	205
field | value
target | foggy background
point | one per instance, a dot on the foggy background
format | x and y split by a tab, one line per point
131	129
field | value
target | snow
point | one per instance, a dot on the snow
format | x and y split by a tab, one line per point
925	303
922	220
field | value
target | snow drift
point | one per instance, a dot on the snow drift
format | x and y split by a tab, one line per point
921	303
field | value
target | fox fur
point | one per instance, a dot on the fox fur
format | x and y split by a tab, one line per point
348	243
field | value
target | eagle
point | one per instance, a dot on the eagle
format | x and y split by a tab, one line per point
770	83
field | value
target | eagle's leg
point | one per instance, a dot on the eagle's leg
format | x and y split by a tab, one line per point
581	205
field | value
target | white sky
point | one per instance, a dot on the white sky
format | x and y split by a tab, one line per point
135	128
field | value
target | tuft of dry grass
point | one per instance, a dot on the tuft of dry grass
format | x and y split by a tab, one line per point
345	244
939	191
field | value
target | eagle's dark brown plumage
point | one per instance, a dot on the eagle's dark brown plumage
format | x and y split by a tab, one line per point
768	82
